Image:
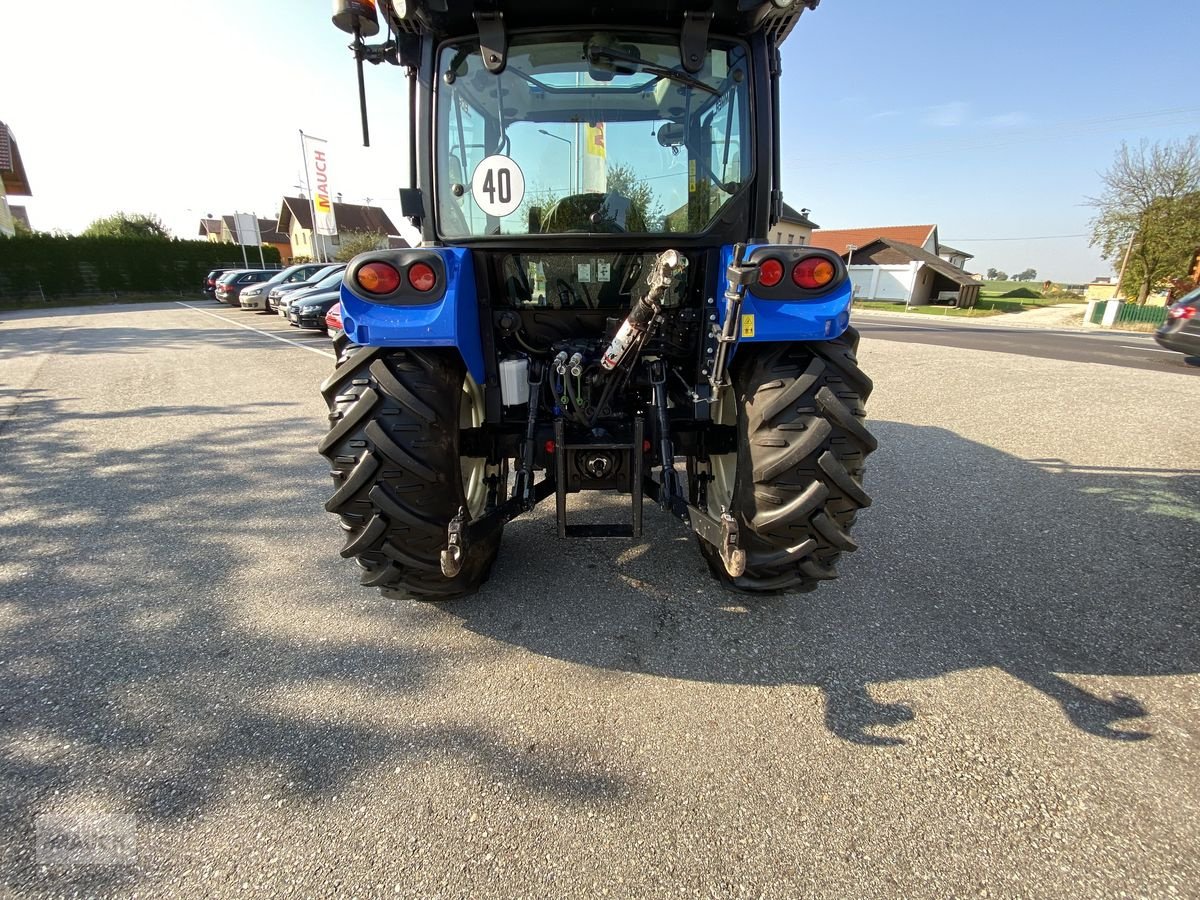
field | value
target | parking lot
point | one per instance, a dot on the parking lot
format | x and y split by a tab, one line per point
998	697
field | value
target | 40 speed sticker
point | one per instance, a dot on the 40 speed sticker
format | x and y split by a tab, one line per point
498	186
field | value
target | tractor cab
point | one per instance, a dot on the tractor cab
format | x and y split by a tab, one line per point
560	119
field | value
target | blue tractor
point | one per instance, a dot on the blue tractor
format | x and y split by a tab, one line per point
595	304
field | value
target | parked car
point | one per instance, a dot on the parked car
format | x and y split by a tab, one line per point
331	281
1181	331
310	310
230	285
210	282
280	290
333	319
255	296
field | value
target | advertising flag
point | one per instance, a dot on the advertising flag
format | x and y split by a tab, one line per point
316	163
595	159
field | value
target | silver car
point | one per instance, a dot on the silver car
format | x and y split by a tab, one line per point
275	294
330	281
256	297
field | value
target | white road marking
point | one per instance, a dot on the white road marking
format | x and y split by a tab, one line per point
1151	349
273	337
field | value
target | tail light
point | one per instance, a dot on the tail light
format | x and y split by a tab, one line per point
378	278
398	277
1181	312
422	277
770	272
813	273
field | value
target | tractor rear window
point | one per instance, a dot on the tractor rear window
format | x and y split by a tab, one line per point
596	133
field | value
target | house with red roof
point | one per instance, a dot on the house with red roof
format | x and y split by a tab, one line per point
902	264
296	223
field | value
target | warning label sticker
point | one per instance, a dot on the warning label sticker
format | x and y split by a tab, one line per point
748	325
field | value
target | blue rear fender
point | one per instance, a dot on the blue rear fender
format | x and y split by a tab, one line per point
406	318
807	316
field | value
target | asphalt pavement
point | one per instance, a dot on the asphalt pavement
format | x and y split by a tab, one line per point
997	698
1114	348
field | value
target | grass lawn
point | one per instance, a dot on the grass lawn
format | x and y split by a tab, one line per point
929	310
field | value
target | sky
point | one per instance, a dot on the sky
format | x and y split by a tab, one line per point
990	120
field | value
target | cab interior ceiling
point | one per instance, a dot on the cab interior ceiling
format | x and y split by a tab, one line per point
534	101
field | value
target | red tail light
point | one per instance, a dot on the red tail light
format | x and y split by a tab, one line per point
813	273
770	272
1181	312
422	277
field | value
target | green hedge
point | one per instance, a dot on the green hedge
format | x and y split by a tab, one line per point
36	265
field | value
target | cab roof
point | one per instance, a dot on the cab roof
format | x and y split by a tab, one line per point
453	18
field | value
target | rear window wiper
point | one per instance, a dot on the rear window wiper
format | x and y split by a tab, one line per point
596	54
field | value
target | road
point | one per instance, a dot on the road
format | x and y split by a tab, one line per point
1131	350
998	697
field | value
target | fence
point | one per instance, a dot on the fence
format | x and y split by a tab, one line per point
1115	313
1146	315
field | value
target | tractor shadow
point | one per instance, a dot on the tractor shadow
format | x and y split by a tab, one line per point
177	629
969	558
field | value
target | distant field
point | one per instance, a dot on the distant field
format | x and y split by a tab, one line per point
999	288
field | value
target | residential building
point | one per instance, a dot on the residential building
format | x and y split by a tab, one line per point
956	258
296	222
841	240
794	228
224	230
268	233
1103	288
210	229
13	181
887	269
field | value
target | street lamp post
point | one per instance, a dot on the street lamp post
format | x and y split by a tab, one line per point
571	144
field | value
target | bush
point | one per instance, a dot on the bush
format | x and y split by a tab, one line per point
59	266
1023	294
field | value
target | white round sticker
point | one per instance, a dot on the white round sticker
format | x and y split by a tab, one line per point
498	186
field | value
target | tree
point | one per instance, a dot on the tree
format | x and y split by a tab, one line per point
645	208
128	225
996	275
1027	275
356	242
1148	217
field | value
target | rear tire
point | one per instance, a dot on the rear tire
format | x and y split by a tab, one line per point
795	483
393	445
